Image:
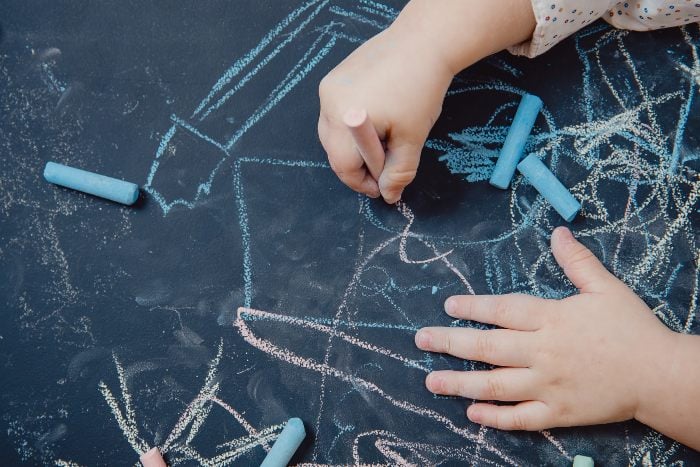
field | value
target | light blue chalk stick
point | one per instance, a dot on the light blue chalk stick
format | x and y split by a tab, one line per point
583	461
92	183
286	445
550	187
513	148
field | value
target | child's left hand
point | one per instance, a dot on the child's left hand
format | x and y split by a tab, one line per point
596	357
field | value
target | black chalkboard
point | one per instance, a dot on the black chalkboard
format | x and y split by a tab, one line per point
119	328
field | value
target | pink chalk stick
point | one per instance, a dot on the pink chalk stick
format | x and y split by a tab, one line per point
366	140
152	458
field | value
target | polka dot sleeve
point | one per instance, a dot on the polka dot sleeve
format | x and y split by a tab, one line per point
653	14
558	19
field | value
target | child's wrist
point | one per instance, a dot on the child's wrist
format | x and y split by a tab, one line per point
658	367
420	53
420	28
459	33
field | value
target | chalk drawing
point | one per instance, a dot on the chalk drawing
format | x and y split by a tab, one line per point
646	237
178	447
619	140
318	18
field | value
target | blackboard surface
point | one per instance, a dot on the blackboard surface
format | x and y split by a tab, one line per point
119	328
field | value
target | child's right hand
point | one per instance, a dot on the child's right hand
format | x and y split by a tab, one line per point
401	84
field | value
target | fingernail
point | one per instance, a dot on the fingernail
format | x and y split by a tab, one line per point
451	306
371	189
473	414
433	382
423	339
564	234
393	199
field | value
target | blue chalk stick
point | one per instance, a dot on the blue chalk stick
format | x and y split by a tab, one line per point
514	146
583	461
550	187
88	182
286	445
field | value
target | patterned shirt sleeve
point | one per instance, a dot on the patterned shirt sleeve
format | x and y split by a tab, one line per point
558	19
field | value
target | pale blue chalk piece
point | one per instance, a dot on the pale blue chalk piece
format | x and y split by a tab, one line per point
92	183
583	461
514	146
286	445
435	289
549	187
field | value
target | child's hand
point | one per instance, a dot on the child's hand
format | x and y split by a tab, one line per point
402	86
400	78
596	357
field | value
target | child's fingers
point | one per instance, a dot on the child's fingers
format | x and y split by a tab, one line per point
400	169
579	264
501	347
344	159
514	311
530	415
502	384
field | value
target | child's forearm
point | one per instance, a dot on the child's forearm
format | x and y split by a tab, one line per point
670	403
462	31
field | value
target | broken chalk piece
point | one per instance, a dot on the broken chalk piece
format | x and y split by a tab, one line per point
152	458
366	140
583	461
549	187
514	145
286	445
92	183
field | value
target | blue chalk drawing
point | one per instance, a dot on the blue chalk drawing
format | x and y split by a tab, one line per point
301	22
617	140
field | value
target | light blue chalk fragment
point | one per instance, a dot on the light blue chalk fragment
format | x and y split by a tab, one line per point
583	461
286	445
92	183
435	289
514	146
549	187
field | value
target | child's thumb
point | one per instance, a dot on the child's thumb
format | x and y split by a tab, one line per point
579	264
400	169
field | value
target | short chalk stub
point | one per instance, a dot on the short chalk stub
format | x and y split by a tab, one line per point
514	146
286	445
582	461
95	184
366	140
152	458
549	186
